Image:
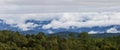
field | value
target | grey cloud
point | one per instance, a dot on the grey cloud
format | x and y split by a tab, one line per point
66	2
46	6
55	9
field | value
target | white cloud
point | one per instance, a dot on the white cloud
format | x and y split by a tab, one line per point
92	32
63	20
27	26
112	30
84	20
19	19
50	32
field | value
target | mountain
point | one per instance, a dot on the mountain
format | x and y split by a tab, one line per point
98	35
39	28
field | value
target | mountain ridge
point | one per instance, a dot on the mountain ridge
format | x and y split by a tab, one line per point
97	29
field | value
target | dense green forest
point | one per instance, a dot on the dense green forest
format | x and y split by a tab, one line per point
10	40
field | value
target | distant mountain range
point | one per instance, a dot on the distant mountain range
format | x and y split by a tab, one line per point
98	35
96	29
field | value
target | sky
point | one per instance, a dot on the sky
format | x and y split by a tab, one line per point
62	13
45	6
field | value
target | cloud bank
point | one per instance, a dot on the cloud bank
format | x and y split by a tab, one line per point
62	20
84	20
113	30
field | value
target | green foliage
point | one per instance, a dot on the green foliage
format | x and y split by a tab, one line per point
10	40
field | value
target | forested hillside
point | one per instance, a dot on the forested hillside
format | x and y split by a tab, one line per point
10	40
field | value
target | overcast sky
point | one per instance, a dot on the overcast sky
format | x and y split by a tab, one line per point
40	6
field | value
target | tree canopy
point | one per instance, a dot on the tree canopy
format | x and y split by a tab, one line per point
10	40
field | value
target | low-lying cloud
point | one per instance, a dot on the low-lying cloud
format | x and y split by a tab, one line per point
84	20
113	30
62	20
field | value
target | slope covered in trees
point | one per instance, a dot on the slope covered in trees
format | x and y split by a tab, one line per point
10	40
